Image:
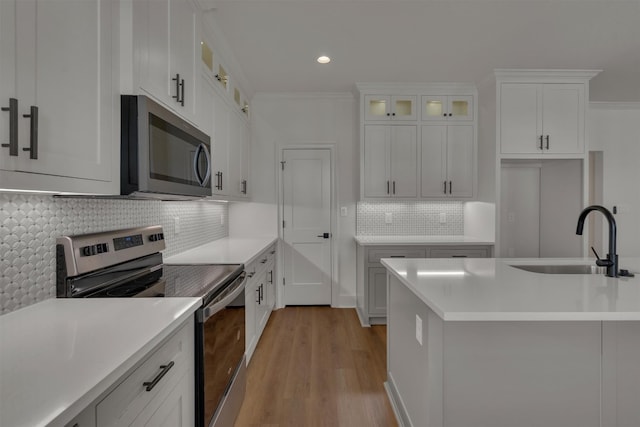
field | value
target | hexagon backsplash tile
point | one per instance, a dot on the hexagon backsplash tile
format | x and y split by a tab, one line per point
30	224
409	219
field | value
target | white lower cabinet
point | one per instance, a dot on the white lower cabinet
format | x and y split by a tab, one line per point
260	297
158	392
371	286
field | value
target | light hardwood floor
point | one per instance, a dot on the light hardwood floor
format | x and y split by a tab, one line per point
316	366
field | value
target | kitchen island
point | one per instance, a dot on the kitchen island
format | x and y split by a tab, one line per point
478	342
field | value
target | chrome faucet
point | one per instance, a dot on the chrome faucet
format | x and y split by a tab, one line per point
612	257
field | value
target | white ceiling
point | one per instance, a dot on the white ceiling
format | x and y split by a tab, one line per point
276	42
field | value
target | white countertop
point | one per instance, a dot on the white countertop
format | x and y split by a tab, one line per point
59	355
229	250
421	240
490	289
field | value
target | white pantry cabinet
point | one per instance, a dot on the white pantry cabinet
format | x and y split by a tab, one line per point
542	112
166	42
390	161
426	156
60	95
448	160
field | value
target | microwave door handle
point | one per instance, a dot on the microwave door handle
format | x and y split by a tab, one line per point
196	170
207	176
202	181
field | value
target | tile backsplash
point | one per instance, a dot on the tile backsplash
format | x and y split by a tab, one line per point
30	224
409	218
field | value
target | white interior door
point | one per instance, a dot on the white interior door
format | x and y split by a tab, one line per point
307	217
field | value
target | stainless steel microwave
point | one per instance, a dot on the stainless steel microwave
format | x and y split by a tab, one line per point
162	156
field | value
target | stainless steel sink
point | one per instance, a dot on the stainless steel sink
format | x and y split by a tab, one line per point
563	269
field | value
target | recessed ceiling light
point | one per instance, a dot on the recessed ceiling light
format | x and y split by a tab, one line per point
323	59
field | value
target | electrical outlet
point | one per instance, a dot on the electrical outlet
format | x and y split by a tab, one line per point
176	224
419	329
443	218
388	218
343	211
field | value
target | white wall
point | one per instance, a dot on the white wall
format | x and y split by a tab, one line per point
614	129
281	119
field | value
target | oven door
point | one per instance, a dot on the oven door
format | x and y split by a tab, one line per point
221	326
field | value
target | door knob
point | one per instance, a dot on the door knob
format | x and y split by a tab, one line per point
324	235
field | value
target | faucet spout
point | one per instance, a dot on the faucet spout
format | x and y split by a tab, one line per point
612	257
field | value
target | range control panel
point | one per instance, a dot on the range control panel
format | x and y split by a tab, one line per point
99	248
88	252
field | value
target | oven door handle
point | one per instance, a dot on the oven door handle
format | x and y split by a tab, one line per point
218	304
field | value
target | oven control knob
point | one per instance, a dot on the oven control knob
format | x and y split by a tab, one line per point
153	237
86	251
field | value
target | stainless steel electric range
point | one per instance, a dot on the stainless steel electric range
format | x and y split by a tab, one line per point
128	263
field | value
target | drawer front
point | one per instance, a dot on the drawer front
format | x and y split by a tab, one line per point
376	254
129	399
459	253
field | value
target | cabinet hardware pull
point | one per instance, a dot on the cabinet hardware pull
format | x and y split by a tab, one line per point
177	80
541	142
270	280
396	256
458	256
445	187
263	261
450	186
547	138
387	187
164	369
220	180
393	114
388	114
33	133
272	252
394	187
444	115
261	292
450	114
182	92
244	186
258	291
13	126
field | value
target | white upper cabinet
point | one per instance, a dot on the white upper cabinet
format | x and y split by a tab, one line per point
390	161
542	112
390	107
448	161
450	108
542	118
167	37
61	94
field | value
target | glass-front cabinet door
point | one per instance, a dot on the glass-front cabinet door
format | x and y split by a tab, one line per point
386	107
436	107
